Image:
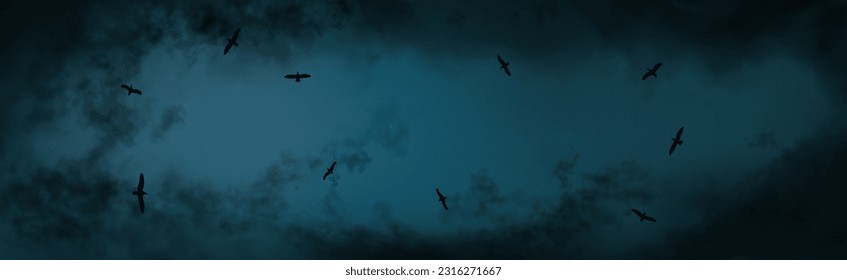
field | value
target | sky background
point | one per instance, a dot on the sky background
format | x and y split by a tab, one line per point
407	97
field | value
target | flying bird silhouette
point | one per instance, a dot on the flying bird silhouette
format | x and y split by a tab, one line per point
441	198
297	76
652	72
677	140
131	90
140	192
643	216
329	170
232	41
504	65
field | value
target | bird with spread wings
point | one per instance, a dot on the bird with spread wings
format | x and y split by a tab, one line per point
676	141
297	76
504	65
140	192
651	72
441	198
643	216
131	90
232	41
329	170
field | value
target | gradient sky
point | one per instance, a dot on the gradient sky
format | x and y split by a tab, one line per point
407	97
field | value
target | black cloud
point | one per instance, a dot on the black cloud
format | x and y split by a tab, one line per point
172	116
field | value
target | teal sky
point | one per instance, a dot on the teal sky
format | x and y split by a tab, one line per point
407	97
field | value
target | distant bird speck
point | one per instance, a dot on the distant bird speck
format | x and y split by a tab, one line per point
140	192
232	41
297	76
330	169
441	198
643	216
677	140
131	90
652	72
504	65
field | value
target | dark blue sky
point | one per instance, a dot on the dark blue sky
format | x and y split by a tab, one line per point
407	97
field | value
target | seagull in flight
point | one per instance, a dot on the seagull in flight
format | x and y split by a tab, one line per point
652	72
140	192
232	41
297	76
504	65
131	90
441	198
643	216
677	140
330	169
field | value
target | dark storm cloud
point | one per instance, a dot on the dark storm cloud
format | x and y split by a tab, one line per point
108	46
389	129
456	19
172	116
60	68
63	57
720	34
386	129
793	209
546	10
266	20
625	180
544	235
107	40
48	209
286	169
350	153
483	200
624	184
763	140
116	122
486	192
23	65
330	203
77	210
729	30
563	169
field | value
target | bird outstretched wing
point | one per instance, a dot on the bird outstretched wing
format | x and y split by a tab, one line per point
235	34
441	198
141	182
504	65
330	169
141	203
637	212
